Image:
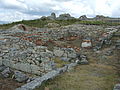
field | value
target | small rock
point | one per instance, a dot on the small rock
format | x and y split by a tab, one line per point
20	77
109	53
117	87
84	62
6	72
2	67
31	79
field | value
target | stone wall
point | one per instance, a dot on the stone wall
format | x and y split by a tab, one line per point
105	38
50	75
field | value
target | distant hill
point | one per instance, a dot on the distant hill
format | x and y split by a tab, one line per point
42	23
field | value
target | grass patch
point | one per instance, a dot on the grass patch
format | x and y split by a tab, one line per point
59	62
88	77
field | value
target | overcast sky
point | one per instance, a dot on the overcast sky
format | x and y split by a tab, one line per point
15	10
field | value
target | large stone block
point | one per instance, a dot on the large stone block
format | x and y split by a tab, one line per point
26	67
8	63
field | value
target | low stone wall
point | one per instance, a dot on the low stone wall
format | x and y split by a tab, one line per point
38	81
105	38
26	67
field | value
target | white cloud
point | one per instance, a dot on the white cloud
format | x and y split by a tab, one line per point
102	7
77	8
17	16
13	4
14	10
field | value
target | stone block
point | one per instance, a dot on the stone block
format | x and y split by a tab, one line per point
58	53
8	63
26	67
20	77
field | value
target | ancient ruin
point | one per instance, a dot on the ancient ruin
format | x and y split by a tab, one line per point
47	52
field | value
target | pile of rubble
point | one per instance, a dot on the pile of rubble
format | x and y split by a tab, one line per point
26	56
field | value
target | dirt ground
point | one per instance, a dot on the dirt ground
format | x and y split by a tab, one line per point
8	84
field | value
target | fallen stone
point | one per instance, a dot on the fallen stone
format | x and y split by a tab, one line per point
6	72
20	77
83	62
71	53
2	67
109	53
117	87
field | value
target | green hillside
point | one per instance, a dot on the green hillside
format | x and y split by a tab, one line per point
41	23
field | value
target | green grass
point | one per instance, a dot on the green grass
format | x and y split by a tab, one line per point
88	77
41	23
59	62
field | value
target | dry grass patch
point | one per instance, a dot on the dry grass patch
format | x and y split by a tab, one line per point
86	77
59	62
